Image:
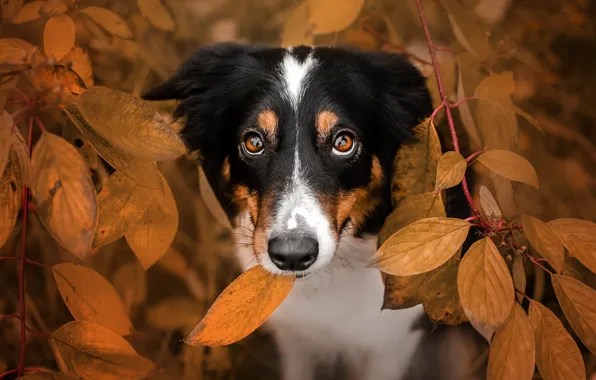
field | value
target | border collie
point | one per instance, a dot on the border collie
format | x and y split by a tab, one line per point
298	145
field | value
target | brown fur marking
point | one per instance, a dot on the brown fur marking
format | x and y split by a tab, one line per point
326	120
267	121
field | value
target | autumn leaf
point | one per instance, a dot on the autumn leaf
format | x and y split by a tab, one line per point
577	302
297	30
108	20
544	240
47	376
143	172
131	283
14	51
440	296
5	139
466	30
328	16
11	185
488	204
157	14
485	287
94	352
59	36
64	193
122	203
79	62
518	274
90	297
130	124
211	201
421	246
174	313
513	351
21	156
52	8
469	75
557	355
579	236
153	234
28	12
10	8
451	169
241	308
510	165
504	195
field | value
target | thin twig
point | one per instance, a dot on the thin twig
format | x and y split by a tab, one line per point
8	258
523	294
473	156
537	263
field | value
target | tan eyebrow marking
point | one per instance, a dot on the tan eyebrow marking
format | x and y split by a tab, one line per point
268	121
326	120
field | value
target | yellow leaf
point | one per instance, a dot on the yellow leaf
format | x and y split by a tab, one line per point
544	240
10	8
28	12
90	297
489	205
441	298
47	376
108	20
469	75
11	185
450	170
329	16
93	352
153	234
466	30
21	156
297	31
143	172
421	246
518	273
130	124
504	195
79	62
174	313
510	165
131	283
59	36
64	193
52	8
575	269
241	308
122	203
14	51
157	14
557	355
211	201
579	236
577	301
513	351
485	287
5	139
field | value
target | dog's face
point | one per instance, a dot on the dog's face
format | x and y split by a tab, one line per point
302	139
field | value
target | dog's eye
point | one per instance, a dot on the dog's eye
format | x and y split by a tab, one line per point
253	143
343	144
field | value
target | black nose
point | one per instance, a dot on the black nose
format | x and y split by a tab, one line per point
293	253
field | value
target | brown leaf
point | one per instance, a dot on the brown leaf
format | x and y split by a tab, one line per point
11	185
53	8
94	352
90	297
513	351
485	287
153	234
421	246
79	62
557	355
579	236
64	193
211	201
466	30
5	139
130	124
328	16
504	195
297	30
415	164
450	170
108	20
122	203
441	298
544	240
577	302
174	262
510	165
469	75
518	273
28	12
47	376
10	8
241	308
143	172
488	204
59	36
131	283
14	51
175	313
575	269
157	14
21	158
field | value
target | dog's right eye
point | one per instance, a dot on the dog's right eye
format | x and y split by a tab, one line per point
253	143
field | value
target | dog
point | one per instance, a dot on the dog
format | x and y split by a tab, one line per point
298	144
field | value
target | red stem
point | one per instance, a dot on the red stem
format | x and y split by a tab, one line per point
460	102
537	263
473	156
524	295
8	258
433	55
9	372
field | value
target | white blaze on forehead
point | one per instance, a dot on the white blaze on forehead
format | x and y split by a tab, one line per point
294	74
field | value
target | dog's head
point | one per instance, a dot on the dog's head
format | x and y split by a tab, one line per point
302	139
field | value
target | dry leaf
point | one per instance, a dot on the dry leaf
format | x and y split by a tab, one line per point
143	172
28	12
577	302
47	376
174	313
14	51
59	36
108	20
53	8
488	204
153	234
21	158
518	273
468	76
90	297
5	139
297	30
64	193
79	62
450	170
544	240
211	201
157	14
10	8
130	282
579	236
513	351
421	246
466	30
575	269
557	355
130	124
485	287
329	16
441	297
11	185
510	165
93	352
504	194
122	203
241	308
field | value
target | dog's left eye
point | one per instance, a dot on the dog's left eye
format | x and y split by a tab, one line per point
343	144
253	143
